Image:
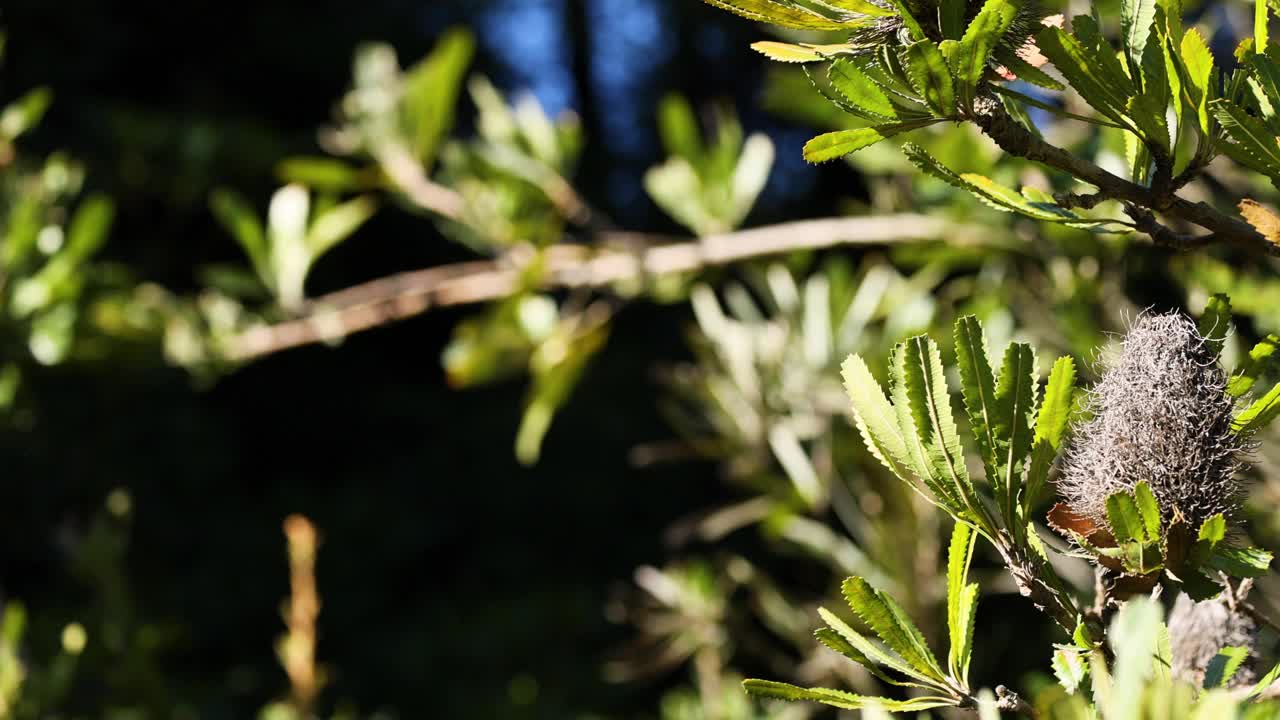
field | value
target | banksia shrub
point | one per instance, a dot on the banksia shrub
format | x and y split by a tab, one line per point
1161	414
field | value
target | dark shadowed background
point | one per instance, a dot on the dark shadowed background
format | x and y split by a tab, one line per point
450	574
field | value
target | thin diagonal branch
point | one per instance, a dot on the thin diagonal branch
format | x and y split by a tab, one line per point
1016	140
566	266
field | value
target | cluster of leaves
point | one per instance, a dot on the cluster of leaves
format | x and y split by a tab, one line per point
1017	431
1176	110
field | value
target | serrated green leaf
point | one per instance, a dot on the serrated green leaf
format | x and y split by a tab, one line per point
1265	683
875	417
1136	18
1263	355
1246	562
1215	322
1148	509
1258	415
1224	665
1015	402
1255	146
930	76
861	7
799	52
1124	518
1024	70
929	404
837	642
1069	667
841	699
1260	17
978	389
875	653
1213	530
891	624
781	13
1198	62
959	615
1088	72
1051	427
917	437
835	145
992	194
860	91
984	33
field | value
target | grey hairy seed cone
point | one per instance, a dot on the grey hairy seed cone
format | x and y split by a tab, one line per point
1198	630
1160	414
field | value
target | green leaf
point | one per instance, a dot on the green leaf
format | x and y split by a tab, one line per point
993	194
799	52
835	641
929	406
1149	510
240	220
1224	665
1265	683
875	417
892	626
1213	530
1015	402
1051	427
873	652
961	598
431	90
321	173
337	223
1124	518
835	145
1198	61
915	436
1260	39
1136	18
1024	70
984	33
781	13
841	699
860	91
678	128
1215	322
930	77
1258	415
1262	356
1247	562
951	15
24	113
978	389
1255	146
1069	667
1088	72
88	228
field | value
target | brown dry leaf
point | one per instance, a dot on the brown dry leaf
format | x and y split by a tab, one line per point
1262	219
1068	523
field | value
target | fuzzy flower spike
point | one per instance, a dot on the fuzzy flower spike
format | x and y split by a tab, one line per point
1161	414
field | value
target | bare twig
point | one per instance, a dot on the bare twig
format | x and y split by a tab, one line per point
379	302
1010	701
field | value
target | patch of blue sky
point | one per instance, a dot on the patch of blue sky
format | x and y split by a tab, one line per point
630	41
529	40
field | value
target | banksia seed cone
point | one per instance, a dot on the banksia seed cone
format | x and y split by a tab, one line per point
1160	414
1198	630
